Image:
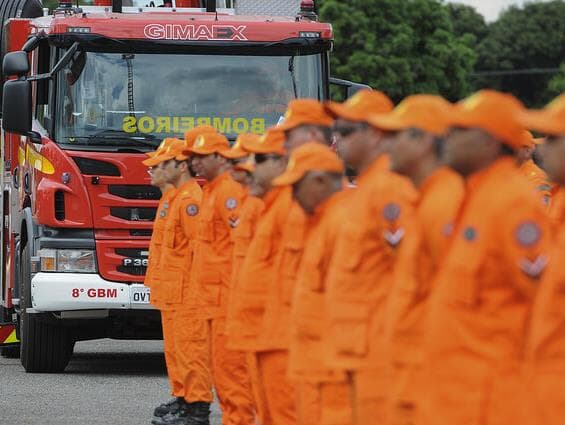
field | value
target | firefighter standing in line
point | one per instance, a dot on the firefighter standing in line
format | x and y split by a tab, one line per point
211	275
249	301
545	358
418	123
305	121
484	290
361	272
316	174
538	177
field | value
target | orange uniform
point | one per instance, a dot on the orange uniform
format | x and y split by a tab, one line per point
545	347
419	260
209	292
152	273
323	392
360	279
483	293
184	334
539	180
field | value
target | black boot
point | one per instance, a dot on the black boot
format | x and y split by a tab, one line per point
171	406
197	413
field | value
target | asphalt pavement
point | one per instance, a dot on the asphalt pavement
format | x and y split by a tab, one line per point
106	382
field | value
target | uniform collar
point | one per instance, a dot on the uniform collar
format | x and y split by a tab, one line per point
379	165
432	180
329	204
217	180
272	195
504	165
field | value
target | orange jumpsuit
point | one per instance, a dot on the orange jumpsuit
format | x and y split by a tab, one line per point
152	276
419	259
359	281
209	291
539	179
483	294
184	333
251	211
545	346
254	280
323	393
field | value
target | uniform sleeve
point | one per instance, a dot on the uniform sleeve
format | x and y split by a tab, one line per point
525	238
230	199
190	215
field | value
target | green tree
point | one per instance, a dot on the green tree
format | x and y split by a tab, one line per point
466	20
399	46
521	50
556	85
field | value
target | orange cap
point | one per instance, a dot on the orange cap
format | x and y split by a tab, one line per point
270	142
305	112
425	112
191	135
361	105
493	112
209	143
550	120
161	148
309	157
237	150
173	150
245	166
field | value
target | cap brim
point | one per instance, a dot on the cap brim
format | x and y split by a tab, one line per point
339	110
235	153
151	154
390	122
156	160
288	178
542	122
257	147
202	151
245	166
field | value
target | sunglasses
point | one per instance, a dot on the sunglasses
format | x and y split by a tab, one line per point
263	157
345	131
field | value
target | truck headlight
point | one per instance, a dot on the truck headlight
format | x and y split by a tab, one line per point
67	260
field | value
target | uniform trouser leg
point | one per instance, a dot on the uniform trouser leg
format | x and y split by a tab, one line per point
335	404
192	351
167	321
370	395
258	391
308	403
231	379
279	392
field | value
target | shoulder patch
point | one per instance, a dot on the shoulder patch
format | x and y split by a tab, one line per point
391	212
527	234
163	213
231	203
165	205
192	210
470	233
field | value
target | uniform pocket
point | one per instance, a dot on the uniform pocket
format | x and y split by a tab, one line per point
350	252
210	283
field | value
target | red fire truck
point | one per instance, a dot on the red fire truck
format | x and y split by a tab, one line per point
89	90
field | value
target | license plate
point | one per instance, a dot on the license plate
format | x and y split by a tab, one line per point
135	262
140	295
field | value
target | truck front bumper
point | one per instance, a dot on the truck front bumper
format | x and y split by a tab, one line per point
77	291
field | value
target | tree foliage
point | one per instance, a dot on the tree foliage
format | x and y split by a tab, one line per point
528	38
399	46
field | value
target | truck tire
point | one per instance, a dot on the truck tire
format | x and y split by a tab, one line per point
44	347
15	9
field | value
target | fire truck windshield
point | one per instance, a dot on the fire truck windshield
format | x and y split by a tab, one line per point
117	99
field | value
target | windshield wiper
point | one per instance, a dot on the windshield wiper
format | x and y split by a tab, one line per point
108	136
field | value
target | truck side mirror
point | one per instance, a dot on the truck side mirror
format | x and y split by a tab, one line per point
16	107
15	63
345	89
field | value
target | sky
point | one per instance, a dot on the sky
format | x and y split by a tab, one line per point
489	8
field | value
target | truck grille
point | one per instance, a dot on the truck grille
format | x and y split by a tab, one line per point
96	168
135	192
133	213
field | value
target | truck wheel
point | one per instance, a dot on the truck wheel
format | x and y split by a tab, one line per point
11	352
45	348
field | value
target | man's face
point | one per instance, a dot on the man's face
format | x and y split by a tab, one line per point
267	168
408	148
465	148
553	154
240	176
157	176
170	170
207	166
313	189
352	141
301	135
